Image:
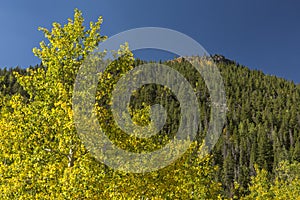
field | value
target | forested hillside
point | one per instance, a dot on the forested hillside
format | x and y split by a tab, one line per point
42	157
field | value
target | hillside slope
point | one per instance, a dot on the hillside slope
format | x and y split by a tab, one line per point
262	126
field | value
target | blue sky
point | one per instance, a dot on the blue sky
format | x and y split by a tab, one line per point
261	34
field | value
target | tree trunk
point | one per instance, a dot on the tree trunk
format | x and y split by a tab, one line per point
71	158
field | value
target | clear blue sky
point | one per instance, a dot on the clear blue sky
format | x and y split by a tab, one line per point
261	34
